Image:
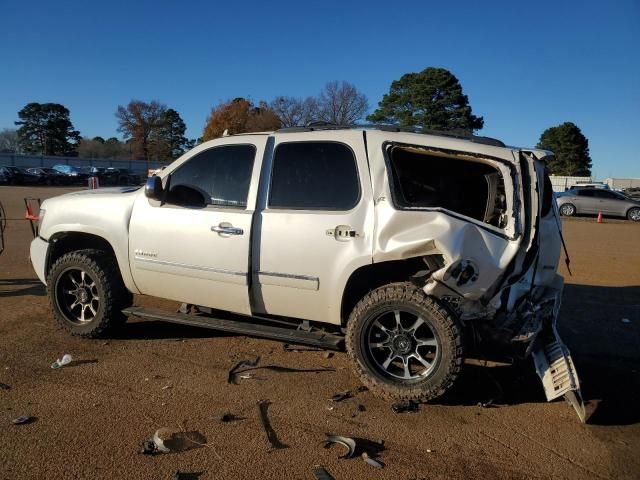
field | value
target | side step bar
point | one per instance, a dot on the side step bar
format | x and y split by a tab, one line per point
290	335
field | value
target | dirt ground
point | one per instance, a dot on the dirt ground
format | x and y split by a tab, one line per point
92	417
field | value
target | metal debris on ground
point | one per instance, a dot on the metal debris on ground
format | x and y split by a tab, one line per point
340	396
4	386
186	475
405	407
272	438
348	443
371	461
61	362
321	473
23	420
288	348
167	440
360	408
167	387
246	376
228	417
241	364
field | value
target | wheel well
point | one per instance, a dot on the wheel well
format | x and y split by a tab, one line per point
370	277
72	241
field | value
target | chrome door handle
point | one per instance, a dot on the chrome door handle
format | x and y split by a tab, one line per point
227	230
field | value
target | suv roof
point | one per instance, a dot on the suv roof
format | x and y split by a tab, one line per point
481	140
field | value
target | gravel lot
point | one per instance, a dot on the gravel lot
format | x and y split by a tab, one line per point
93	415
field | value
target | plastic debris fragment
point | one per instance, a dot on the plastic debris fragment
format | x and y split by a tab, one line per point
348	443
167	440
61	362
321	473
371	461
23	420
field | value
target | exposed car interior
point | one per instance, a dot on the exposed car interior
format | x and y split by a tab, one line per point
430	179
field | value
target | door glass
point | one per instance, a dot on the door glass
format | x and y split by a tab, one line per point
222	173
314	176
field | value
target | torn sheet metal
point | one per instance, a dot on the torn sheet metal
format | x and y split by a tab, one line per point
555	368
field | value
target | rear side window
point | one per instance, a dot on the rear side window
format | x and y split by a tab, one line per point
223	173
422	179
314	176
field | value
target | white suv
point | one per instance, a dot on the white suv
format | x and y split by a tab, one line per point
397	244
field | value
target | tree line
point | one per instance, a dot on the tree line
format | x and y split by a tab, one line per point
432	99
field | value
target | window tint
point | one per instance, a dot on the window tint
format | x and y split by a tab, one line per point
223	173
314	175
586	193
605	194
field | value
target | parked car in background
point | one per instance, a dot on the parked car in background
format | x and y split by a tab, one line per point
122	176
74	174
49	176
590	200
4	176
633	193
604	186
20	176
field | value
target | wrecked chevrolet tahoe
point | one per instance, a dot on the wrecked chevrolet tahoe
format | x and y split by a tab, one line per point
404	248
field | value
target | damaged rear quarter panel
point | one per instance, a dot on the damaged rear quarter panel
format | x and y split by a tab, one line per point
402	234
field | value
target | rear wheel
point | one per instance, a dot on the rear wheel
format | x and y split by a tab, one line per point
404	345
568	210
86	293
634	214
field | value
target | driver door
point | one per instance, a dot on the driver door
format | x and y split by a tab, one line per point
200	254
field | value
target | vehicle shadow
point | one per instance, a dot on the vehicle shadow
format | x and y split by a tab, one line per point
601	327
158	330
30	287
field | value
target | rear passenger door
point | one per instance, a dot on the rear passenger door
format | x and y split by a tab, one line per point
609	203
316	224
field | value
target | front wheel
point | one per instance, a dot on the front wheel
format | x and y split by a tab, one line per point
403	344
634	214
86	293
567	210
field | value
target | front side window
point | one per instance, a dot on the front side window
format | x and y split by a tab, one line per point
222	173
314	176
586	193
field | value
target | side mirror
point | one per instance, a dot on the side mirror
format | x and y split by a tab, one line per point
153	188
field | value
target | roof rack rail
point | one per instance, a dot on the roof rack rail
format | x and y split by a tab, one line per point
459	134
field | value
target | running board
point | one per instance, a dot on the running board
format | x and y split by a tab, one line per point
289	335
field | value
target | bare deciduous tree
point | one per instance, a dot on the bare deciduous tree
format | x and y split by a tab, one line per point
295	112
341	103
9	141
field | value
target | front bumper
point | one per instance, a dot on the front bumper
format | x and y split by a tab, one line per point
38	254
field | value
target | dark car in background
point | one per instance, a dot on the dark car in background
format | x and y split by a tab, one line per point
49	176
122	176
73	174
20	176
596	200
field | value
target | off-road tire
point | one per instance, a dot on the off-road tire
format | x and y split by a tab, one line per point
443	324
114	296
569	211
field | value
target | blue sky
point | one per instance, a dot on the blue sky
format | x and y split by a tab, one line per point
525	66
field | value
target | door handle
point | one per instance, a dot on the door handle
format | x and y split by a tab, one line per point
227	229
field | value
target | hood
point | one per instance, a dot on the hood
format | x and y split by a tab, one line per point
107	191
